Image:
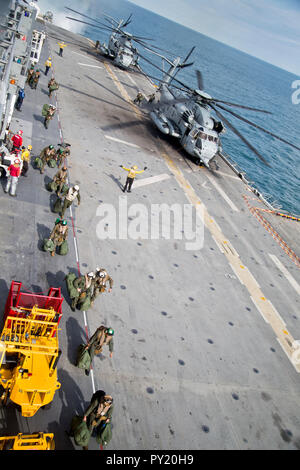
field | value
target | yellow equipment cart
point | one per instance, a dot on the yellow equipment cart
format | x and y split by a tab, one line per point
36	441
29	354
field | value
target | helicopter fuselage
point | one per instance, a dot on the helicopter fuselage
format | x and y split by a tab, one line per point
190	122
121	50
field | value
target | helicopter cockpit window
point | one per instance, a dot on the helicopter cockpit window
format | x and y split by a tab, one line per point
194	134
202	135
210	138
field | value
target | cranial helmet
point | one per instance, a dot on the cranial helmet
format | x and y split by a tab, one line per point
64	222
134	167
91	274
20	132
29	147
110	331
51	147
76	187
17	161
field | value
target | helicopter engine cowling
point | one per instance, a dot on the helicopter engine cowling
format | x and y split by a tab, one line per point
188	116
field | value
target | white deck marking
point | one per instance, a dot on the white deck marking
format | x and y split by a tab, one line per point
223	194
122	141
90	65
82	55
131	79
285	272
151	180
229	176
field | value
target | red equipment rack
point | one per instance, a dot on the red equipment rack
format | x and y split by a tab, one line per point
27	300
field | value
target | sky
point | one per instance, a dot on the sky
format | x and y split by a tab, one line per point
267	29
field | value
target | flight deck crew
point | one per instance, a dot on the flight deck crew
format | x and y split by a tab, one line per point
151	98
83	285
46	154
49	115
17	141
71	195
21	96
132	172
34	80
61	48
25	155
139	98
30	73
52	85
103	336
99	283
14	171
99	412
62	154
59	234
60	179
48	65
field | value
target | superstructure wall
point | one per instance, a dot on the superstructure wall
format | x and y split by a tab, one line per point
16	22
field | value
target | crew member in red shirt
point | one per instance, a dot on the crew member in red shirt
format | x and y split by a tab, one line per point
17	141
14	171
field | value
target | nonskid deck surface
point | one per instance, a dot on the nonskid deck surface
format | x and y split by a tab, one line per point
203	355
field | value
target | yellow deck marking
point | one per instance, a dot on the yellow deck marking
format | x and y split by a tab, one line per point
264	306
122	90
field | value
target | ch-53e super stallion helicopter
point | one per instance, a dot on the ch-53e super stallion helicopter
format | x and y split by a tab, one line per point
186	114
120	47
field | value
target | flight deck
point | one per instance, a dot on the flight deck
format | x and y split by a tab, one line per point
206	352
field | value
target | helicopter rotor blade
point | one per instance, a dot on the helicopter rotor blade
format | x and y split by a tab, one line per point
86	16
166	73
242	106
128	21
189	54
235	131
184	64
200	80
105	28
259	127
158	49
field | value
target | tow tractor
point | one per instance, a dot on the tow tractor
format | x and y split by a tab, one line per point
36	441
29	349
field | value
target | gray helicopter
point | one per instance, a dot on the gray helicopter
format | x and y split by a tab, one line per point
186	114
120	48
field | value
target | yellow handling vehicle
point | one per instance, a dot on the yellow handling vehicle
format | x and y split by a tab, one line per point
36	441
29	350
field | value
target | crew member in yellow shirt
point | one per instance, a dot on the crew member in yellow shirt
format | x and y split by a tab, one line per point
61	48
25	155
132	172
48	65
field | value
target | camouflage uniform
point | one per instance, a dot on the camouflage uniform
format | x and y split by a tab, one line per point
46	155
139	98
84	286
58	235
60	180
99	284
49	116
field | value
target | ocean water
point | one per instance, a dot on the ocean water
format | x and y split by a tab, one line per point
234	76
